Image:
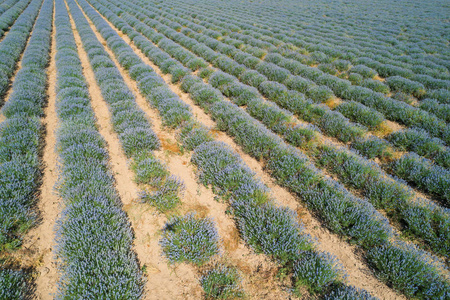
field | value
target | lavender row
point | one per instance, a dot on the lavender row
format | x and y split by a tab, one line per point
381	190
20	135
311	32
20	144
331	64
94	237
6	6
14	43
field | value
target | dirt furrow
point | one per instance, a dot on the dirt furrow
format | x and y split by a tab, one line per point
359	273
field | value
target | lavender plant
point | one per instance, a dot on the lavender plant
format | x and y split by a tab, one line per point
222	282
20	132
190	239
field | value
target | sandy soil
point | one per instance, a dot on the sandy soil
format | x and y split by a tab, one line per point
359	274
394	126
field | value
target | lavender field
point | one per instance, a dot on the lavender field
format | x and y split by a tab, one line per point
184	149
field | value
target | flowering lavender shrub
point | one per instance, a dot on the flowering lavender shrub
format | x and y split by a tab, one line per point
441	95
336	84
335	124
320	57
196	64
364	71
348	292
299	84
189	81
149	170
13	285
360	113
19	138
375	85
424	173
225	63
218	78
429	221
205	72
252	78
342	65
272	71
327	68
205	95
222	282
190	239
272	90
435	107
372	147
420	142
319	94
355	78
229	117
271	230
319	270
213	170
139	70
166	197
396	260
398	83
193	134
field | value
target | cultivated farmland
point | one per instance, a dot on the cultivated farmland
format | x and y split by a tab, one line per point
155	149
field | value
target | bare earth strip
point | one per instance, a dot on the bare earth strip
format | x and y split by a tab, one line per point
359	273
258	271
